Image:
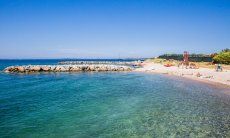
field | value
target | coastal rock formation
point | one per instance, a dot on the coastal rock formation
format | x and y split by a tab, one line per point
66	68
121	63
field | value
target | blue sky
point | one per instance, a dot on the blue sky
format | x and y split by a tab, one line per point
112	28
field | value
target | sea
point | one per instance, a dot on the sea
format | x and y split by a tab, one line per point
109	105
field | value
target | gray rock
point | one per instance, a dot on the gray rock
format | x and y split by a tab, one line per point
67	68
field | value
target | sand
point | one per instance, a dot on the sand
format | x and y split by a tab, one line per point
202	74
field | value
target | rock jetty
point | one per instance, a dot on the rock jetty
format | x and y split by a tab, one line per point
128	63
66	68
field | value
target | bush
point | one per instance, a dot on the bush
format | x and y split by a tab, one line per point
223	57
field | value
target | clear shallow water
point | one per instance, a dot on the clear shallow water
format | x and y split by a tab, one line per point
110	105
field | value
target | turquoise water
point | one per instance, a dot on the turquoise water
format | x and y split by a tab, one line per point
110	105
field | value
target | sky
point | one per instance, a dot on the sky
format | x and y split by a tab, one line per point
112	28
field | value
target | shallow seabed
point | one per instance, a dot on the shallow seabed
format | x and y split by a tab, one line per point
110	105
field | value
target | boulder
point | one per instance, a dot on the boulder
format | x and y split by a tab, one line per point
52	68
20	69
9	69
62	68
92	68
35	68
45	68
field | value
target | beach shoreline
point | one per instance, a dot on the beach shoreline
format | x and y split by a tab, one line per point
204	75
215	84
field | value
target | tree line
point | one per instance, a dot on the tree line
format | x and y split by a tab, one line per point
222	57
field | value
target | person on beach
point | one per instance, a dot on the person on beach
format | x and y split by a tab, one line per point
219	68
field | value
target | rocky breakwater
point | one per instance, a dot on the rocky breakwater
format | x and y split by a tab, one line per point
128	63
65	68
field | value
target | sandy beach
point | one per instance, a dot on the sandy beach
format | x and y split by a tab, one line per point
201	74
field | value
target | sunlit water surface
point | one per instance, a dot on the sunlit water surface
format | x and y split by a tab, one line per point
110	105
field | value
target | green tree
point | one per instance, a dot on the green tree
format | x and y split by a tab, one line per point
226	50
223	57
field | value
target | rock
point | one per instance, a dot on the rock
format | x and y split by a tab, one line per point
62	68
75	68
35	68
9	69
92	68
45	68
66	68
59	68
20	69
103	68
52	68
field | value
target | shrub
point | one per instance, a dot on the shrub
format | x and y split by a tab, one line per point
223	57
